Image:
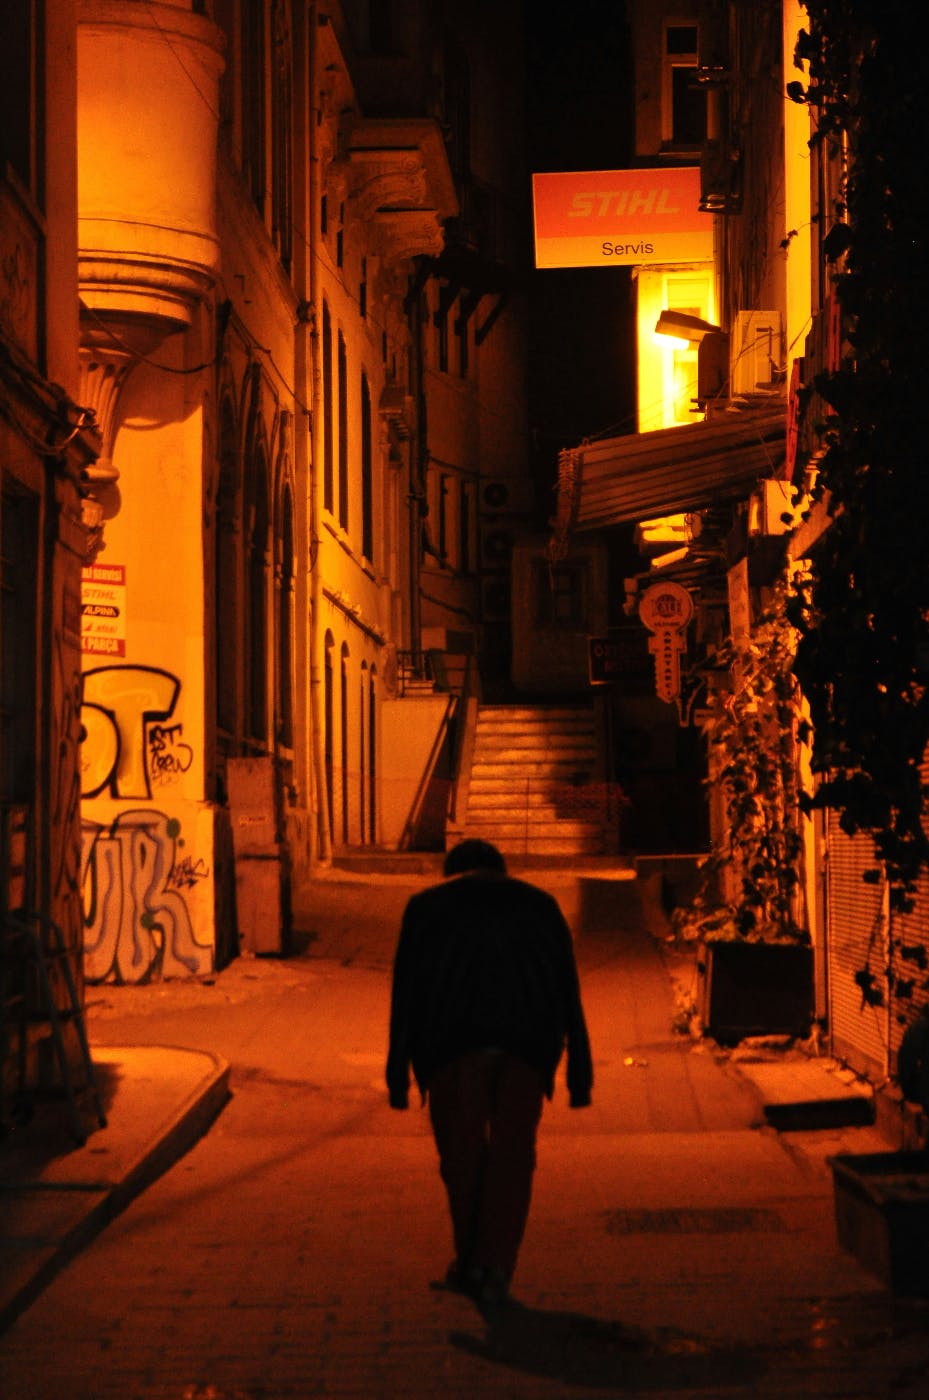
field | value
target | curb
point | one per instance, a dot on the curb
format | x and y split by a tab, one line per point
186	1125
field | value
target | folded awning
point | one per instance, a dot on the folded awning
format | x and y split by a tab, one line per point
669	471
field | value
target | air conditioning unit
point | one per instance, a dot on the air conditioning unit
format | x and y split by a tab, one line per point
498	496
757	352
496	546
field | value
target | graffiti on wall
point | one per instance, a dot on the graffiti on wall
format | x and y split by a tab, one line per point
134	878
127	747
168	756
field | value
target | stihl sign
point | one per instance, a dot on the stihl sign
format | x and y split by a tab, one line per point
599	218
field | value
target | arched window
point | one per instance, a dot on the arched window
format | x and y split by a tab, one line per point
367	473
343	432
362	754
328	445
257	518
328	727
226	609
285	625
343	736
372	757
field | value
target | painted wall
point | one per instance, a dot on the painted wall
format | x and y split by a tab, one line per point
147	832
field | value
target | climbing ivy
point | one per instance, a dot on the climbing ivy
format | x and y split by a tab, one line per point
863	610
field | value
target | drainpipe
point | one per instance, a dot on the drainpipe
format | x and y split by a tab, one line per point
323	834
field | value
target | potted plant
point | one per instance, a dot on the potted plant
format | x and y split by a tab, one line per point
882	1198
755	961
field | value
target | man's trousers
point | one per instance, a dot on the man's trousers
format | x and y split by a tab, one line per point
485	1110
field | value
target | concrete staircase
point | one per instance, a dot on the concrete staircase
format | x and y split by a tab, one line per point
535	787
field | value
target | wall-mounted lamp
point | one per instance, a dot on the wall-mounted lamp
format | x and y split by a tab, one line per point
712	343
681	326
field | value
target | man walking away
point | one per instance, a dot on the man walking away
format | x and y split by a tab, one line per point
485	998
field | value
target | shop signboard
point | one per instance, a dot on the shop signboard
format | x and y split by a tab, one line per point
610	218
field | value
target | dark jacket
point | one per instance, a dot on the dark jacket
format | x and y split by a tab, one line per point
486	961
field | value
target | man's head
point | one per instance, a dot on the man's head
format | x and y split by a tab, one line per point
473	855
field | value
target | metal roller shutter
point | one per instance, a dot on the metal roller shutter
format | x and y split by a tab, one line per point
856	939
910	958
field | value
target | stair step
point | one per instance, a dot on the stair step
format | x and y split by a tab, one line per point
504	774
538	811
541	845
522	735
542	826
534	712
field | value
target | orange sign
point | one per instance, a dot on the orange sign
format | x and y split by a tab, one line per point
605	218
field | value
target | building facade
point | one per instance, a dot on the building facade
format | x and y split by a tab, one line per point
715	482
299	321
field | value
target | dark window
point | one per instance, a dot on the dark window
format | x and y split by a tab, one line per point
281	139
253	98
17	91
285	614
328	446
367	473
464	345
328	728
681	39
457	104
685	115
362	756
465	561
343	432
227	611
688	125
443	518
343	725
372	758
256	616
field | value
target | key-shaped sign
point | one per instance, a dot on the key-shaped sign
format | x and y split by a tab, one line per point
666	609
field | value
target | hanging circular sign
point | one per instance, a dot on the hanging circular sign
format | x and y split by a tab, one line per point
666	607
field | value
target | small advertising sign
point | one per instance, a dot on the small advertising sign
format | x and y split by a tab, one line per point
609	218
103	609
666	609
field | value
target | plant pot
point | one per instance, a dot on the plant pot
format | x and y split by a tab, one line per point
882	1215
756	989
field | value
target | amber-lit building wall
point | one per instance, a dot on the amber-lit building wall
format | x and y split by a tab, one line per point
47	445
303	348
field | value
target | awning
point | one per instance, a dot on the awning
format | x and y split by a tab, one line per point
669	471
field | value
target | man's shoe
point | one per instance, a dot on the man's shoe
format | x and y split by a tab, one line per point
494	1290
462	1278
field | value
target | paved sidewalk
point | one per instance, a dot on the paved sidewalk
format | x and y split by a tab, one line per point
56	1196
